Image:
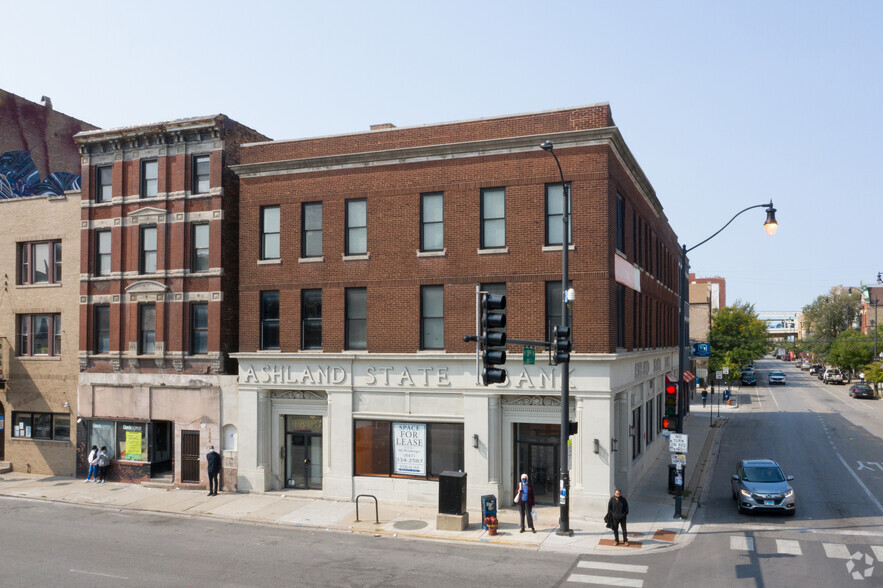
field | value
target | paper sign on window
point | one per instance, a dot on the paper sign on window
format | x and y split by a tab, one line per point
409	448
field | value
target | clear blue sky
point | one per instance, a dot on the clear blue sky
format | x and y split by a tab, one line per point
723	106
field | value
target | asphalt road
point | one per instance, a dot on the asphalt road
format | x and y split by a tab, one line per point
831	444
53	544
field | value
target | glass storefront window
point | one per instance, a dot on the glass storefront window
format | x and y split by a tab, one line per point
372	448
376	455
104	435
132	441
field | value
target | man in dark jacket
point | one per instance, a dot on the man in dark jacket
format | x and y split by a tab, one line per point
618	509
213	459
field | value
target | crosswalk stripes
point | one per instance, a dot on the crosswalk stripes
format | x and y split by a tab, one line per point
837	551
790	547
579	577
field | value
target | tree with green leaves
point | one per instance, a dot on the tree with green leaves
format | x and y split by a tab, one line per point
874	374
851	350
737	337
828	316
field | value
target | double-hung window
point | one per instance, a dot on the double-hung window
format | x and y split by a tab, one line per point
40	263
356	318
39	334
149	178
199	248
620	223
432	222
554	212
553	308
199	328
102	252
432	317
148	250
103	183
620	316
102	329
270	319
311	230
493	218
270	232
200	170
311	318
146	328
356	227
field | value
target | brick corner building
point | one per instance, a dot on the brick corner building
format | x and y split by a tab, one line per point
360	257
159	295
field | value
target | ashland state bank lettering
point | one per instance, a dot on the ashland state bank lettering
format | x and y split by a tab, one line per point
386	376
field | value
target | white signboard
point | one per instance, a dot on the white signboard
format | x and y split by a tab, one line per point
678	458
726	370
409	448
719	375
677	443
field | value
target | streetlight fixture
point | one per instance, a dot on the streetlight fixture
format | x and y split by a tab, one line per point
566	296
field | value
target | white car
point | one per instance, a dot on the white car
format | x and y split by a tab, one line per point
777	377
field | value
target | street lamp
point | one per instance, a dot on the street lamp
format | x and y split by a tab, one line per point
566	296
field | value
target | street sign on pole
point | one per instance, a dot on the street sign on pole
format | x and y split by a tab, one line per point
726	370
528	355
701	349
677	443
719	375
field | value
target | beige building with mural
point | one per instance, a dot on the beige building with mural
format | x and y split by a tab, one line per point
39	326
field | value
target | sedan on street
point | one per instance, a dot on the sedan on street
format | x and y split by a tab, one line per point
861	391
759	484
777	377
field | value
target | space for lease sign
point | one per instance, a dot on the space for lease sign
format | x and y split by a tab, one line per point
409	448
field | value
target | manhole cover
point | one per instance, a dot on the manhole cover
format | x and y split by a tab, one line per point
410	525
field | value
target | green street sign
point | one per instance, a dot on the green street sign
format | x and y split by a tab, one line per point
528	356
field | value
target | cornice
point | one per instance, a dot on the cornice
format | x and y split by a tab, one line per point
608	136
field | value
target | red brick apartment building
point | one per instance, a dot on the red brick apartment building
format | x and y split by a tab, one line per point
360	257
158	299
39	237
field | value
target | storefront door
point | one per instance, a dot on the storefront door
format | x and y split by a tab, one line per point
538	455
303	452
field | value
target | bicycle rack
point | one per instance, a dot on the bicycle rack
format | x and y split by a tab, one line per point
376	509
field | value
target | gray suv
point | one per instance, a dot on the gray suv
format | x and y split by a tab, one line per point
759	484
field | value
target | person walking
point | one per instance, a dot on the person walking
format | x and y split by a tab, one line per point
103	463
525	498
618	509
93	465
213	461
704	396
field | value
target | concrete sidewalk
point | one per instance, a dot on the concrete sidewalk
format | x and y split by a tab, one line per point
651	523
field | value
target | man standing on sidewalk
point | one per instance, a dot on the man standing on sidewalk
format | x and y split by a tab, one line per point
618	509
213	460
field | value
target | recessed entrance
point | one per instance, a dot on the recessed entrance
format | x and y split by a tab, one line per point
537	453
303	452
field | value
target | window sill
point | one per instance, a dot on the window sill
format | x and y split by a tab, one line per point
442	253
320	259
53	441
494	251
277	261
557	248
41	285
360	257
39	358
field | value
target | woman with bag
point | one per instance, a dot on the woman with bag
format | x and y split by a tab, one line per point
525	500
103	462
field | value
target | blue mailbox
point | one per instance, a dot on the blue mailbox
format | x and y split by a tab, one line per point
488	508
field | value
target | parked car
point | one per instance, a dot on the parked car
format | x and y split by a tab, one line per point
804	366
777	377
861	391
749	379
821	373
814	369
748	368
759	484
832	376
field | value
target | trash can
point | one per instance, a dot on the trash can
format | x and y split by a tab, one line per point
673	487
452	493
488	508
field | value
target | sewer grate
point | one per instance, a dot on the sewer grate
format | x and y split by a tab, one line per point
410	525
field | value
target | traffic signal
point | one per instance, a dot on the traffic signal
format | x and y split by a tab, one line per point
493	338
561	345
670	418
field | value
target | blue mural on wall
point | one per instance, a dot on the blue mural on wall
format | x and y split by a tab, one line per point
19	178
